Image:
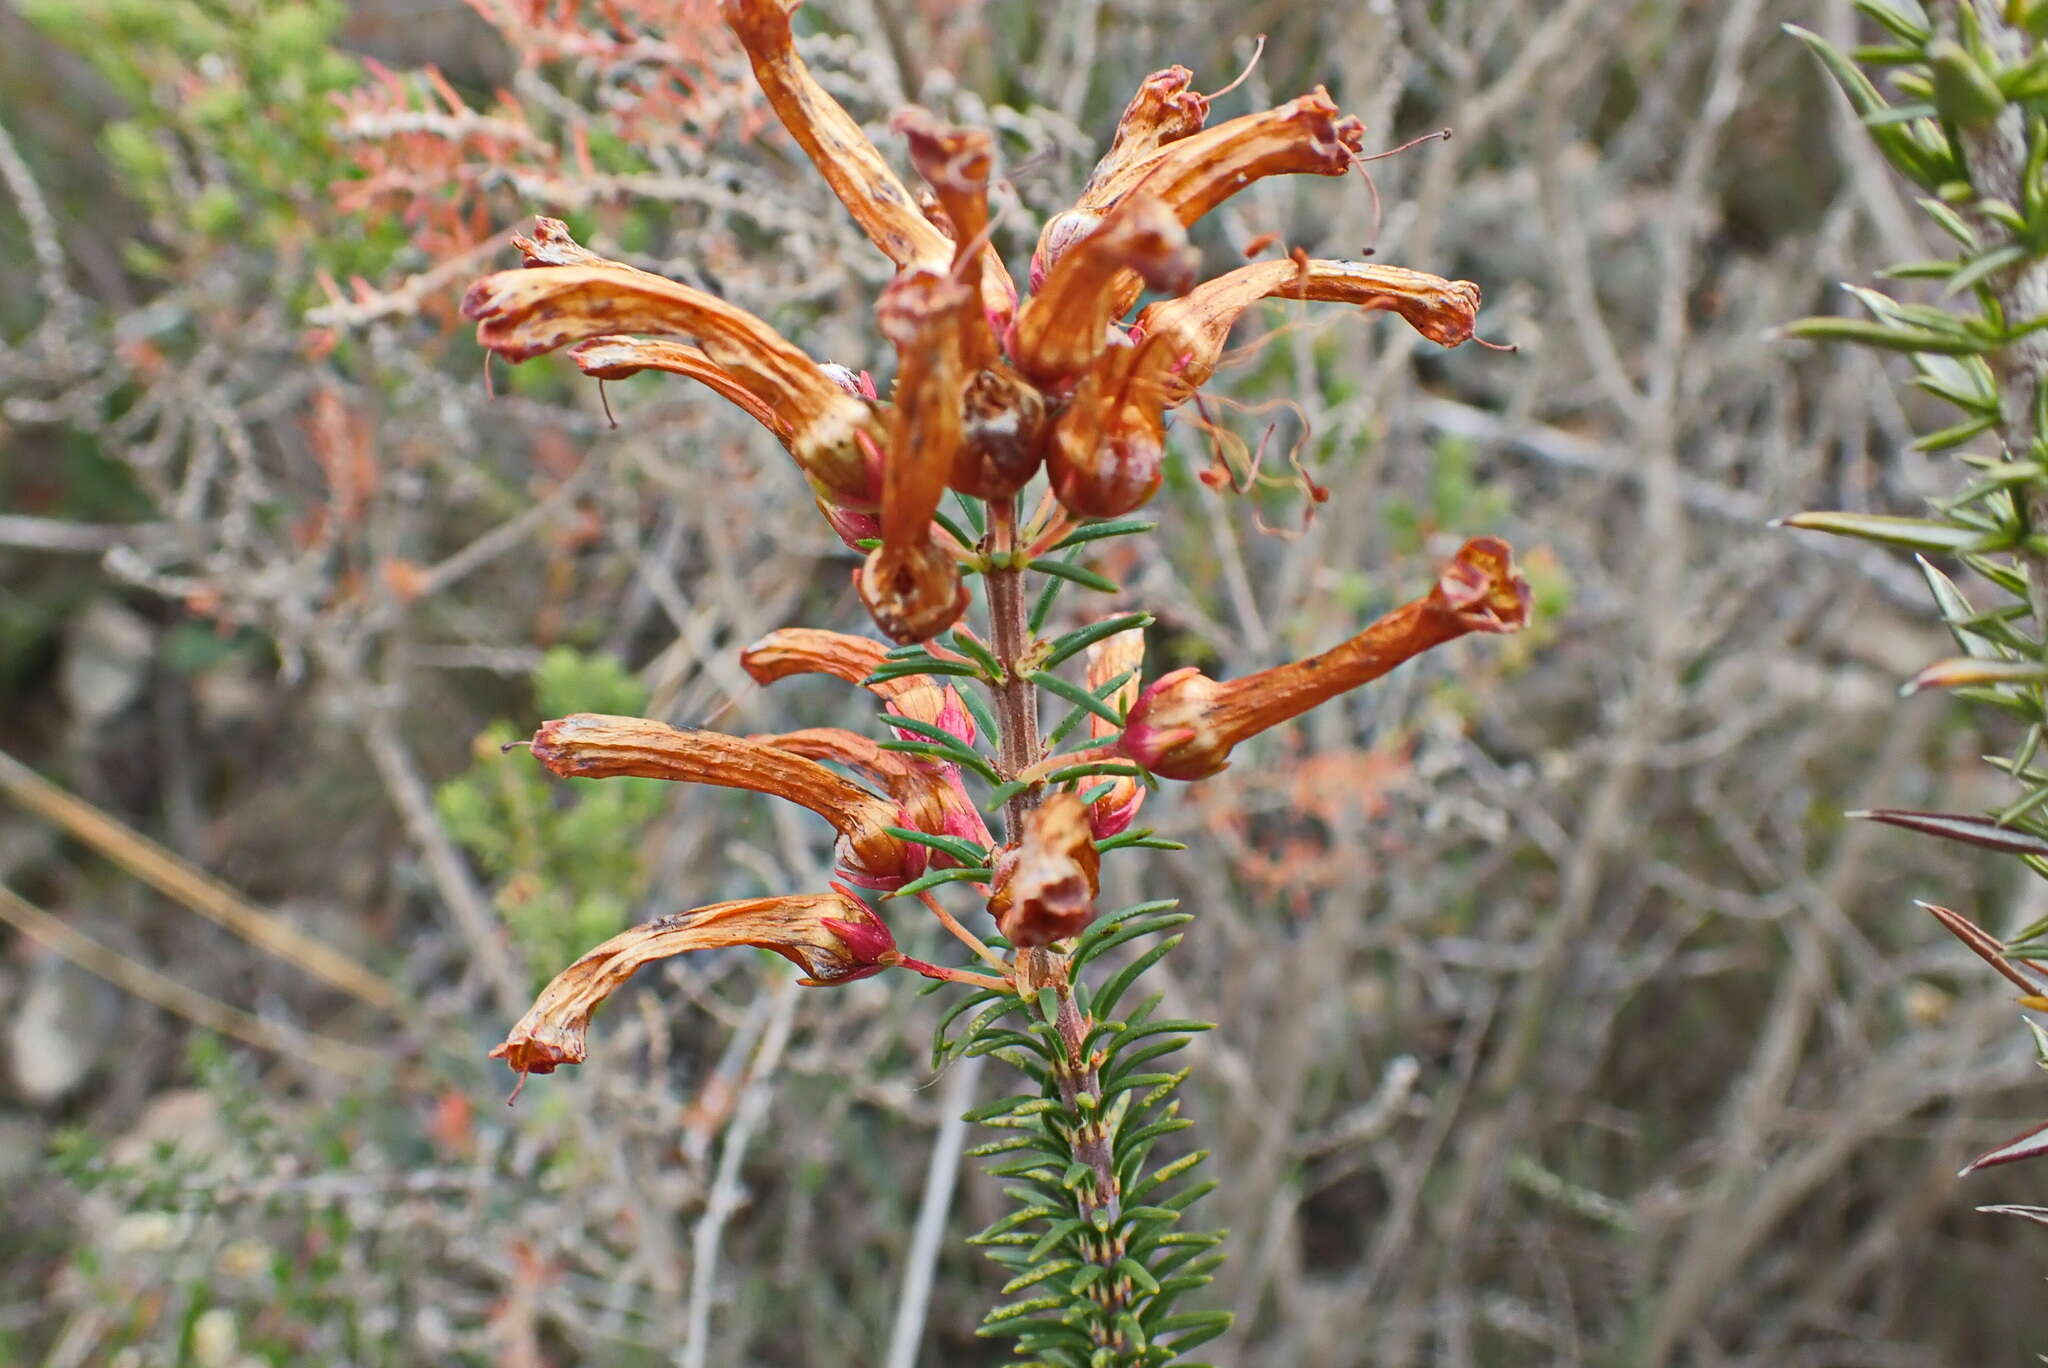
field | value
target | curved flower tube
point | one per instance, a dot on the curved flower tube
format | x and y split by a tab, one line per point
1065	325
1191	331
1185	725
833	435
835	144
599	746
911	584
790	651
1164	110
833	937
956	163
616	358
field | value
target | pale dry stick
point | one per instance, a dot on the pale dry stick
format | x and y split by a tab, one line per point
913	1298
26	532
393	761
138	980
1663	643
726	1186
174	878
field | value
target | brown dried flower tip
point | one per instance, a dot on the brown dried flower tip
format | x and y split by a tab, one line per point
833	435
1190	332
1046	883
910	583
598	746
832	937
1065	325
1185	725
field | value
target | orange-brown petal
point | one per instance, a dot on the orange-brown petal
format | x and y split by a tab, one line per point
833	938
617	358
1062	328
957	163
911	583
1191	331
600	746
1194	174
790	651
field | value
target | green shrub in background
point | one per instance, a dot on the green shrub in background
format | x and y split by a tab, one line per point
567	870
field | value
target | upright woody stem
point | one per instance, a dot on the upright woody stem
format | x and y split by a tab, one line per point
1042	968
1010	638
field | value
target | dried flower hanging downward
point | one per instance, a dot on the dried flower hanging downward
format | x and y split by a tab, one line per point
1046	883
911	583
832	937
1186	724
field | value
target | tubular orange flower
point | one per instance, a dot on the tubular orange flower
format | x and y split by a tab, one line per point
832	937
1065	325
1046	883
790	651
858	175
910	583
616	358
1194	174
833	435
1185	725
1120	654
598	746
1190	332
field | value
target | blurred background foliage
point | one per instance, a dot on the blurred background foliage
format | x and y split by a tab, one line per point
1565	1019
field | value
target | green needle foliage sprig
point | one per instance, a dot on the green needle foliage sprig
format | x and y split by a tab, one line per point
1047	401
1955	97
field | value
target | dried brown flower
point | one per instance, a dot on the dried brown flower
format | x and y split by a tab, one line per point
1046	883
